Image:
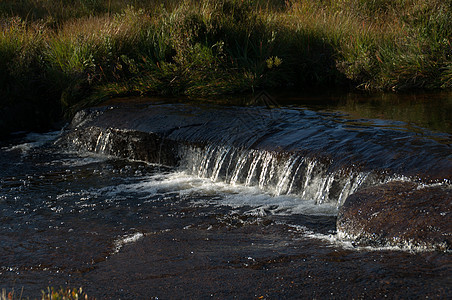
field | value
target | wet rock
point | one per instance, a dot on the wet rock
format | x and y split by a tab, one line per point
130	144
398	214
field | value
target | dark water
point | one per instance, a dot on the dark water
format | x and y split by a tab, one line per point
127	229
431	110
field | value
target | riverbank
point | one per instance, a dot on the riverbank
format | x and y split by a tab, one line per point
76	53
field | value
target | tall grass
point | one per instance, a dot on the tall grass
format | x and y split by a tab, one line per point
21	60
89	49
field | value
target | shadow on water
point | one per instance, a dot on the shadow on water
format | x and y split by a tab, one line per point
431	110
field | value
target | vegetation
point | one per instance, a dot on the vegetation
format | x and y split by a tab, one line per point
64	294
76	51
50	294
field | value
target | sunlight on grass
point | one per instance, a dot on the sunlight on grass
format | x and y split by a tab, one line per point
79	49
50	294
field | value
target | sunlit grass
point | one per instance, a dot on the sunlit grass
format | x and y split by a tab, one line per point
385	44
64	294
91	49
49	294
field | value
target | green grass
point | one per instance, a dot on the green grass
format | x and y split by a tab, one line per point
79	51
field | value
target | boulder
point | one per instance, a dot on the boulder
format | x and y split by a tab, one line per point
401	214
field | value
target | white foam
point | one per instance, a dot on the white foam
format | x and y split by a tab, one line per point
126	239
346	242
236	196
34	140
81	161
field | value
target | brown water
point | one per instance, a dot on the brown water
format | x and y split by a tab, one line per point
131	230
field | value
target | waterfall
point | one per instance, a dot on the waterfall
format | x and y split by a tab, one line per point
288	159
275	172
102	142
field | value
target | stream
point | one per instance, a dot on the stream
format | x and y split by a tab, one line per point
202	200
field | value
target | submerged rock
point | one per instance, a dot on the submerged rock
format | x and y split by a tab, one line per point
398	214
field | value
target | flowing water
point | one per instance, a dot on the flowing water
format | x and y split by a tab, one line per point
249	212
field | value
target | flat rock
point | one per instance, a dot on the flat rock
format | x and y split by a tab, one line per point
398	214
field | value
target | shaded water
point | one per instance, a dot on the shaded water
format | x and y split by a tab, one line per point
228	221
431	110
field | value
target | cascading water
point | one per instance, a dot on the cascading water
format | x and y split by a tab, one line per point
273	172
316	157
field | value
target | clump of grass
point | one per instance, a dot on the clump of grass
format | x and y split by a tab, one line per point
21	61
90	51
4	295
50	294
64	294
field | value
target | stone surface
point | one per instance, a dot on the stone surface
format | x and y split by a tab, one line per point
398	214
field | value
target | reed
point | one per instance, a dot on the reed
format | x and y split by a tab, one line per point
83	50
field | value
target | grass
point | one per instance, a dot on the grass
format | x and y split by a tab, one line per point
50	294
76	52
64	294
